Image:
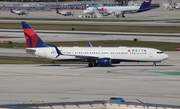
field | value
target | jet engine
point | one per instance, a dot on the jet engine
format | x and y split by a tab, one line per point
106	13
117	13
104	61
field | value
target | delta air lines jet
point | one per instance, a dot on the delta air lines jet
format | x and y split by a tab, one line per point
95	56
119	10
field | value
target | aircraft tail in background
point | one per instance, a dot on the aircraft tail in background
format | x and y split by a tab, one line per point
11	10
146	5
57	11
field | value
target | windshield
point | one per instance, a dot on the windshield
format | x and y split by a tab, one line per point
160	52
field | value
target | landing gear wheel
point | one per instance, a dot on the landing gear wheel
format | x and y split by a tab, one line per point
90	64
95	64
154	64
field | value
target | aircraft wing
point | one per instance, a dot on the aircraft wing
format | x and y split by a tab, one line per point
84	57
124	12
25	12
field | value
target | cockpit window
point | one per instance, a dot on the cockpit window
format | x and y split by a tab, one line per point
160	52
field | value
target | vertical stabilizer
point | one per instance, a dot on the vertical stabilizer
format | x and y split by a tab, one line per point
146	5
32	39
11	10
57	11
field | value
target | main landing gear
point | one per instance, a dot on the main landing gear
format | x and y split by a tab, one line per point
92	64
52	62
154	63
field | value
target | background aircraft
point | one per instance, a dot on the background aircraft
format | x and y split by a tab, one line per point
65	13
96	56
119	10
21	12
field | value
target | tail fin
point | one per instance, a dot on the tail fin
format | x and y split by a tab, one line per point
146	5
57	11
11	10
32	39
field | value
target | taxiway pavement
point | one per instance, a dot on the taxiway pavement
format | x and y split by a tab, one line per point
57	36
63	83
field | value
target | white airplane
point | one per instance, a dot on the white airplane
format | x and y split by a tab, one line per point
21	12
119	10
96	56
65	13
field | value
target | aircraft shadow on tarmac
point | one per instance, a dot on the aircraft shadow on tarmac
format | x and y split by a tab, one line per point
50	65
85	66
142	65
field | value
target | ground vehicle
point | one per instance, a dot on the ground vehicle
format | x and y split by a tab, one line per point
114	99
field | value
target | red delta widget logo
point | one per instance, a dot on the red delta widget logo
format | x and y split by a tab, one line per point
103	9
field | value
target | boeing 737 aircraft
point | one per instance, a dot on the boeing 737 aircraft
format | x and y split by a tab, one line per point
65	13
21	12
96	56
119	10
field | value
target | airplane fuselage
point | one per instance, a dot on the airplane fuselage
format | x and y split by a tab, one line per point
20	12
119	54
120	9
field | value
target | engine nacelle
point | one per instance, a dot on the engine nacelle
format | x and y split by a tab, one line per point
106	14
104	61
117	13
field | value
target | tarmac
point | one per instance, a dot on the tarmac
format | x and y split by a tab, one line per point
65	83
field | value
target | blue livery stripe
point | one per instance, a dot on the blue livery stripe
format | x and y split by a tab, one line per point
25	25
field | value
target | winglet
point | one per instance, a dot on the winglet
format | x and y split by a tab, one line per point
58	52
89	44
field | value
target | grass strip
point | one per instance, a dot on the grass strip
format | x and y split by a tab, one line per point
164	46
167	72
101	28
33	60
10	37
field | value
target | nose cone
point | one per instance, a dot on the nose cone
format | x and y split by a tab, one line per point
85	12
166	56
